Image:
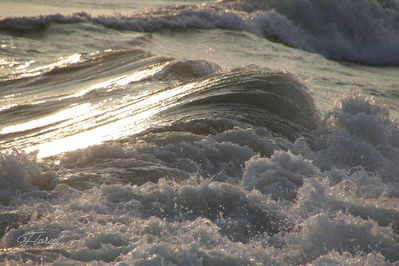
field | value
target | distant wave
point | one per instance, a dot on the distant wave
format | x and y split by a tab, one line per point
362	31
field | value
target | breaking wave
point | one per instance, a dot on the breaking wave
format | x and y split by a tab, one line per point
362	31
190	193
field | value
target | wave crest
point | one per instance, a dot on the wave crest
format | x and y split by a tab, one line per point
362	31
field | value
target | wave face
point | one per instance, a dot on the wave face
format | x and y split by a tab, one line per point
362	31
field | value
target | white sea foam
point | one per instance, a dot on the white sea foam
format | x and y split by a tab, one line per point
232	197
362	31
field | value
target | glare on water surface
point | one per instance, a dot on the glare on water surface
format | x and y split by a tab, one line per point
86	124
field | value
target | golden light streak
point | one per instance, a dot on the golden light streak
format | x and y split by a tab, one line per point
48	120
121	81
136	118
63	61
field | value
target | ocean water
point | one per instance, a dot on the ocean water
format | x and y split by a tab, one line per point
236	132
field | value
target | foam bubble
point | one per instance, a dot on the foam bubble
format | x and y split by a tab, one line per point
322	234
18	172
279	176
360	135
